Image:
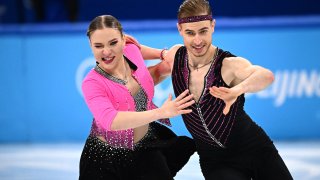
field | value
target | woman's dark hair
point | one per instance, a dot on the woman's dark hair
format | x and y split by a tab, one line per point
104	21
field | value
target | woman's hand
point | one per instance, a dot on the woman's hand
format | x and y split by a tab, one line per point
171	108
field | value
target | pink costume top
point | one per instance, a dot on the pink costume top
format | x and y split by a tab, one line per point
105	98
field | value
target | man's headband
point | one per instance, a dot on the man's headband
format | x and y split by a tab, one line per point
194	19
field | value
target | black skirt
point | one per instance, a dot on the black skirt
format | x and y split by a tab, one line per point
160	154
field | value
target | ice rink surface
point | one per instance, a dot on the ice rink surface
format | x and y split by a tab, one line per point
61	161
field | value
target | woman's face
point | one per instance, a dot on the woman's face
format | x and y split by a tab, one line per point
107	46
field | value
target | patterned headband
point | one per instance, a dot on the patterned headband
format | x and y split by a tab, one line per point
194	19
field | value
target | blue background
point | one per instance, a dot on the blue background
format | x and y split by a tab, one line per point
42	67
35	11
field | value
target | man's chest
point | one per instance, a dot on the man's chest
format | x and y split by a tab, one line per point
196	84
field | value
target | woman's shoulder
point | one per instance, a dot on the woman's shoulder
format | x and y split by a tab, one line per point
133	53
132	50
91	76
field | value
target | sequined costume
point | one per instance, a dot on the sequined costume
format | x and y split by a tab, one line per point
160	154
98	85
226	144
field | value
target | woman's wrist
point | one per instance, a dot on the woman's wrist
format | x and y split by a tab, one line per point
158	113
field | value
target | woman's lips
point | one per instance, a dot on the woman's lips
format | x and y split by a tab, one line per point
108	60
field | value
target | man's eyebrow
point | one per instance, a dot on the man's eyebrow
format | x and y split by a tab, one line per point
204	28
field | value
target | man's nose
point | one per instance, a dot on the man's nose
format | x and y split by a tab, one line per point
197	40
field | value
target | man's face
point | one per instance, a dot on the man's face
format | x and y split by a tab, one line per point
197	36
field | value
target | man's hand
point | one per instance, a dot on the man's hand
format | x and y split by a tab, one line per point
228	95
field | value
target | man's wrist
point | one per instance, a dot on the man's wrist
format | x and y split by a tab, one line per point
163	53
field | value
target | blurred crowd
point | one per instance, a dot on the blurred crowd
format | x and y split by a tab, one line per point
48	11
51	11
33	11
